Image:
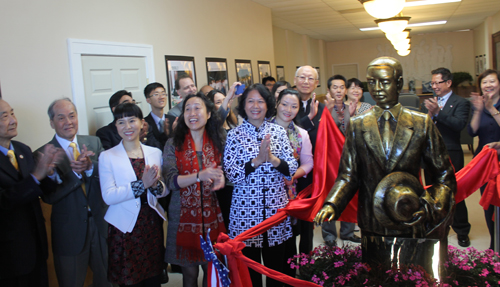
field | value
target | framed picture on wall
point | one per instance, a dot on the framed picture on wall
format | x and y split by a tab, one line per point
217	74
319	78
280	73
496	50
477	66
264	69
178	66
244	72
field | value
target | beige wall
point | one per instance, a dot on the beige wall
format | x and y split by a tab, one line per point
453	50
34	66
292	50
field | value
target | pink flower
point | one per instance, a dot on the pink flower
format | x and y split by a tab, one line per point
484	272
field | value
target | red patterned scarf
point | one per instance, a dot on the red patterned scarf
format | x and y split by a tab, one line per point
194	217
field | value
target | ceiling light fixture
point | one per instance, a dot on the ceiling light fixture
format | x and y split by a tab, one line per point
383	9
403	53
393	25
409	25
394	37
429	2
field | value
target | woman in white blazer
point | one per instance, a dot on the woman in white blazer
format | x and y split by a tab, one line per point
130	184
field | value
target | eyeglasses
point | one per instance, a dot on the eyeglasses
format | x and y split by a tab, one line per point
158	95
436	83
303	79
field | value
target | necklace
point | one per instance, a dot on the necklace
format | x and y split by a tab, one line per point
135	153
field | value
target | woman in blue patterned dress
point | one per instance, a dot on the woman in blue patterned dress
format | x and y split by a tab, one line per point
257	156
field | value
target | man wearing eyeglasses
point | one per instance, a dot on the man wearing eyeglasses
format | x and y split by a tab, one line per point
450	113
109	134
306	80
160	123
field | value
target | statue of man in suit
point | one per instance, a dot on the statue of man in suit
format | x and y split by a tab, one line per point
384	141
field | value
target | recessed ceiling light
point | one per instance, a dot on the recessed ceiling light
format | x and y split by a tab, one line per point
409	25
429	2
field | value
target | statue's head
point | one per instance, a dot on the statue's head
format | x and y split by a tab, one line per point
385	81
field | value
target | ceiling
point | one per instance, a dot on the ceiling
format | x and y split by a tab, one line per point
337	20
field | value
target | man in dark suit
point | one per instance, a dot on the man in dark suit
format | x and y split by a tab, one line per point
79	230
109	134
23	243
450	113
160	124
306	80
385	140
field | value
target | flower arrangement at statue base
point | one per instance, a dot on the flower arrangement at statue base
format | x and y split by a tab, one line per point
342	266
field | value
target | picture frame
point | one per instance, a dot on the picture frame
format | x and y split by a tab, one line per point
244	72
319	77
217	76
496	50
177	66
477	66
280	73
264	69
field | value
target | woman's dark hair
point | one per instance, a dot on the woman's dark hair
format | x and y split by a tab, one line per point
293	93
280	84
264	93
231	119
213	127
354	81
484	75
127	110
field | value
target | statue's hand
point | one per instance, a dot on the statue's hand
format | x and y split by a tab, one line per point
418	217
326	213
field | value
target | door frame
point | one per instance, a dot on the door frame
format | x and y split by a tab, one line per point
78	48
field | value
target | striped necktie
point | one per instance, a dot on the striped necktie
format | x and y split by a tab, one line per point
12	157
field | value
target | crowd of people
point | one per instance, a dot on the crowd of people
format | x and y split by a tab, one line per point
202	166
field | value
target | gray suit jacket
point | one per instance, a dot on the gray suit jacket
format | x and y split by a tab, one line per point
69	204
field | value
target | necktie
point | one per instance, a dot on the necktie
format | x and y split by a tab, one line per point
162	126
76	154
387	133
440	102
13	160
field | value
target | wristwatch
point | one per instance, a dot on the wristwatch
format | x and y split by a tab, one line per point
197	177
252	164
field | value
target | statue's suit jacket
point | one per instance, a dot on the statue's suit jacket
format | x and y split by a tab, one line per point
69	204
23	237
364	165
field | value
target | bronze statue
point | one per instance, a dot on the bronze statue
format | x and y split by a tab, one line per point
392	141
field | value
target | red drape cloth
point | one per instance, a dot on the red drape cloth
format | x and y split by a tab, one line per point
329	143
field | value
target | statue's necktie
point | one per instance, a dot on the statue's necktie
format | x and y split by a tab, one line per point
387	133
12	158
76	154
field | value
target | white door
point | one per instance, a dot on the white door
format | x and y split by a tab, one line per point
103	76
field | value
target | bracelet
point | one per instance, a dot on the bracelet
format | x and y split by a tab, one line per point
498	112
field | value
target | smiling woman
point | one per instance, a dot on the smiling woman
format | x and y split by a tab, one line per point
130	184
192	170
257	159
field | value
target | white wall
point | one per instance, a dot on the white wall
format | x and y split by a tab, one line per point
34	68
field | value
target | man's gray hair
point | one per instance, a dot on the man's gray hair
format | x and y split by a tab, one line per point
50	110
314	69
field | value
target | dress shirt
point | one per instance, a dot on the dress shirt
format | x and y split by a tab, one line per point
157	121
65	146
